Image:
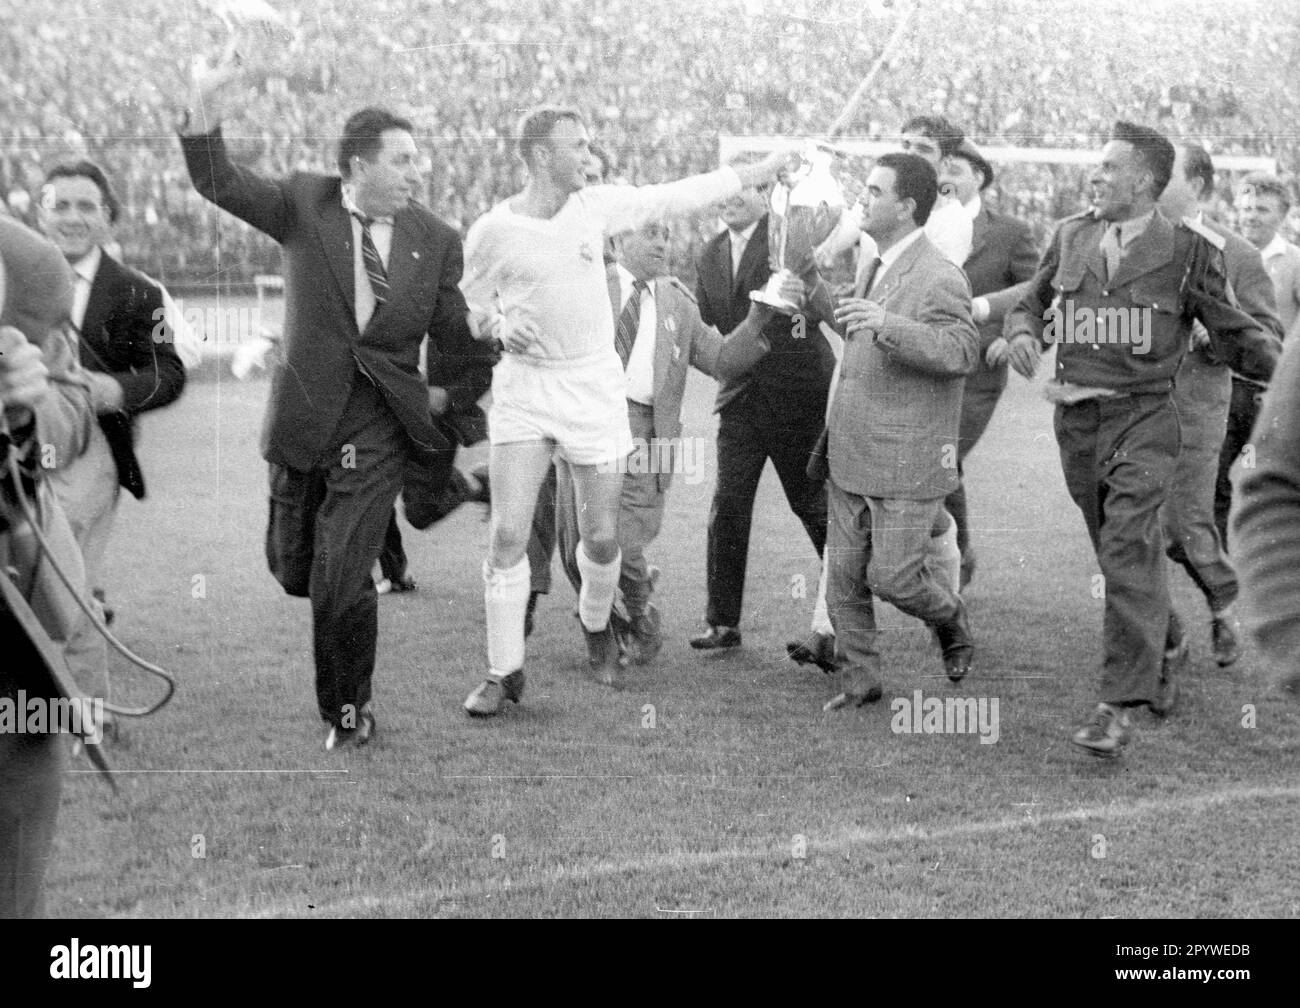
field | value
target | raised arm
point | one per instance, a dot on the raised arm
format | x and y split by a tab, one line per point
263	203
625	208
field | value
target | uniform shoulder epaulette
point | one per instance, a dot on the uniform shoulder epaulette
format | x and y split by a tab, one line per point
1213	237
676	282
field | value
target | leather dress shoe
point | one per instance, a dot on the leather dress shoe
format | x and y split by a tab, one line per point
957	646
716	637
818	649
603	655
354	738
1106	733
1171	671
853	698
491	695
644	636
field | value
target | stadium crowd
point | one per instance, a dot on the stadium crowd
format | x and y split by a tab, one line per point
467	68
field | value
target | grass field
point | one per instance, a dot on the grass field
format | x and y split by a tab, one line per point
710	786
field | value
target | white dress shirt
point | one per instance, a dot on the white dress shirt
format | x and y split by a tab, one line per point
83	278
641	362
891	254
739	242
381	233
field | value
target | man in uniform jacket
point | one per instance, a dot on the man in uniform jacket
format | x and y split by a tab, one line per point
1129	283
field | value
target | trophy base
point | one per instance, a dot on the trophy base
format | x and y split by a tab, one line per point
770	294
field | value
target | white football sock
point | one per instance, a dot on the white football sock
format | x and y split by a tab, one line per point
505	597
821	617
599	581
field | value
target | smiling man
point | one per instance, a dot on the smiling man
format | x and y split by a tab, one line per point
1116	423
115	312
368	273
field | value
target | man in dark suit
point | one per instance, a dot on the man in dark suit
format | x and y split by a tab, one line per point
909	341
774	411
368	272
132	365
1202	393
1002	257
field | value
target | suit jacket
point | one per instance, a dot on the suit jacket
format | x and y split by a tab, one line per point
122	336
1249	282
682	340
324	353
795	375
1284	271
893	423
1171	274
1002	258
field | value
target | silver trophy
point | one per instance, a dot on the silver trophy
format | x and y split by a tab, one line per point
805	207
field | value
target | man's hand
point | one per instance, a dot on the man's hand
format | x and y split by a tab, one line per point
858	315
996	355
1023	353
793	289
105	393
24	380
439	400
209	82
516	335
771	166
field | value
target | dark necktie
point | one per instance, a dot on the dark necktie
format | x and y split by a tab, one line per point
869	277
629	320
374	264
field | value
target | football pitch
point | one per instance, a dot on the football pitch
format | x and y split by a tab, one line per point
711	786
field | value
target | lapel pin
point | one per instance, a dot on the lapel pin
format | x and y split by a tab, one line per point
415	255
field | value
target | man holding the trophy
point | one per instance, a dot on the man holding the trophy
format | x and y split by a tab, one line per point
777	409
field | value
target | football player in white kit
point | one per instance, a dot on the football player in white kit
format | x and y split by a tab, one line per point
535	281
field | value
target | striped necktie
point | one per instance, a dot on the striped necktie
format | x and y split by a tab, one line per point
374	264
629	321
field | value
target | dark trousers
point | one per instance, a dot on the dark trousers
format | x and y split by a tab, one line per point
748	435
979	399
541	542
1118	456
31	779
326	530
392	558
1242	413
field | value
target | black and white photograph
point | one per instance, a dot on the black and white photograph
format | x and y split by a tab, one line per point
678	460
